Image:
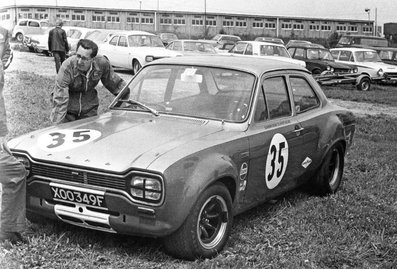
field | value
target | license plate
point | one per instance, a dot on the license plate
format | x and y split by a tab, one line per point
78	196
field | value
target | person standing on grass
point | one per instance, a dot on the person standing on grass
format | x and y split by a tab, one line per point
12	172
58	44
74	96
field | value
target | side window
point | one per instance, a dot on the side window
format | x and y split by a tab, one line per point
304	96
299	53
177	45
344	55
248	51
261	113
34	24
335	54
277	100
291	51
23	23
123	41
239	48
113	41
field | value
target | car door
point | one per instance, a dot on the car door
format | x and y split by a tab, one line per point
306	105
110	50
123	53
275	142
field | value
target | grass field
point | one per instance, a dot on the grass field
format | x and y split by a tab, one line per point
356	228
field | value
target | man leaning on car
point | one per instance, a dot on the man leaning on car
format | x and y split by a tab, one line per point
74	96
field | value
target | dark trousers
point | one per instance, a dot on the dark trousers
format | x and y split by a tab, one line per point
59	57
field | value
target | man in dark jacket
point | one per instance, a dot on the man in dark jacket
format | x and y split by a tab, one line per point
58	43
74	96
12	172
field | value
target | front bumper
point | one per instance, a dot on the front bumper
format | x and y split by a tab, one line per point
329	78
121	215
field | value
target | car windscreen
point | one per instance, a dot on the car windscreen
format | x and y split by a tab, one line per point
194	91
270	50
367	56
144	41
344	40
198	47
319	54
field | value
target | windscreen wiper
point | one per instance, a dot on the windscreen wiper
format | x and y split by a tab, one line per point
133	102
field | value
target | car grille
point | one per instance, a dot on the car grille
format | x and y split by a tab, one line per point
78	176
341	70
391	75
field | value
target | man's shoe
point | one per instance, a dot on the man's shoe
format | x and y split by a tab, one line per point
13	237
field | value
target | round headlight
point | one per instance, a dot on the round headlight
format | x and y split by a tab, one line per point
380	72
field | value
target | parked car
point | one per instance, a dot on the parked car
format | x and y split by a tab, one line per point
167	37
361	41
263	49
29	27
134	49
74	34
387	54
191	47
37	42
318	59
222	38
368	62
294	42
100	36
270	39
199	140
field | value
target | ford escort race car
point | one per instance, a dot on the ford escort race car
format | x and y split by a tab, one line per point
198	140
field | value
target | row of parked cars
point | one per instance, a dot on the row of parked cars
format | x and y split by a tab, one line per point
358	66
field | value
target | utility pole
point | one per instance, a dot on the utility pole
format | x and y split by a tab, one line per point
140	14
205	19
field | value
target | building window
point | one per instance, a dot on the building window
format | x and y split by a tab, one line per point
257	23
314	27
165	19
179	20
352	28
197	21
132	18
210	21
41	14
5	16
270	25
228	22
325	27
78	17
367	29
113	17
298	26
286	26
341	28
25	13
98	17
147	19
241	22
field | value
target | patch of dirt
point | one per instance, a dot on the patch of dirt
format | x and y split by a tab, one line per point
363	109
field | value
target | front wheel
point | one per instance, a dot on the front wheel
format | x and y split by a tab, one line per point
19	37
136	66
206	230
364	84
329	176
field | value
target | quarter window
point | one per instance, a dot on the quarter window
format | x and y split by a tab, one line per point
304	97
277	100
113	41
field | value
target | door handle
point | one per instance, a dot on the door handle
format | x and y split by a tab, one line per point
298	129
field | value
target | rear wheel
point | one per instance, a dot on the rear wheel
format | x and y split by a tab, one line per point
206	230
329	176
136	66
364	84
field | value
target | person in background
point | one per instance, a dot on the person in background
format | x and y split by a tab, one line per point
74	96
58	44
12	172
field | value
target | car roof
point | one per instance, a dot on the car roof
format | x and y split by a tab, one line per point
306	45
352	49
132	32
194	40
261	43
255	65
386	48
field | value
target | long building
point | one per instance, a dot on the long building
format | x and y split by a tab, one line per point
185	24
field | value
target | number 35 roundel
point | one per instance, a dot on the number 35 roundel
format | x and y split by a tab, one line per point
61	140
277	160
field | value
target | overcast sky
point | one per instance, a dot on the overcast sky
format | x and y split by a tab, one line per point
338	9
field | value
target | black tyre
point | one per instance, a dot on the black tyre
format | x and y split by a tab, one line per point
329	176
207	228
19	37
135	67
364	84
316	71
